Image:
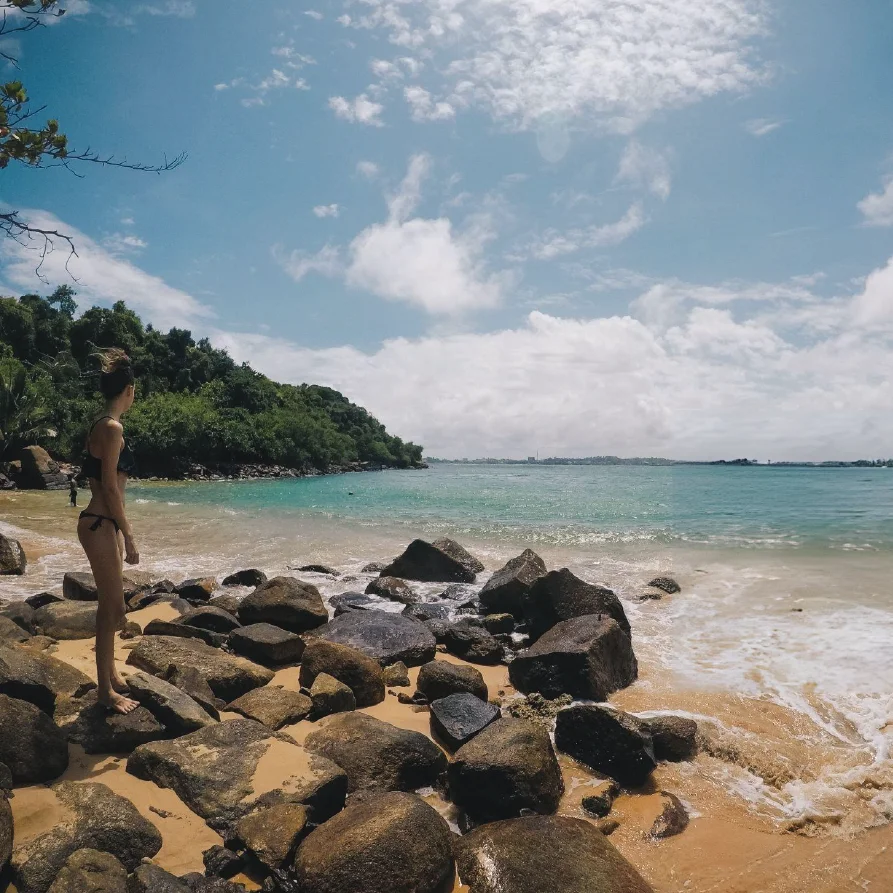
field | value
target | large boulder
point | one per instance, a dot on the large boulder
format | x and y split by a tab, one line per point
360	673
31	744
508	767
179	631
229	676
40	678
385	637
460	554
21	614
473	643
151	878
11	633
426	562
39	471
89	871
376	755
231	768
99	730
271	834
12	557
67	620
538	853
440	679
249	577
175	709
357	601
665	584
587	657
560	595
215	620
197	589
615	744
267	644
504	592
191	682
675	738
393	589
273	706
330	696
457	718
91	816
285	602
6	832
394	843
79	586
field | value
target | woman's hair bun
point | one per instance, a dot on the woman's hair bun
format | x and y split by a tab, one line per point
117	373
113	360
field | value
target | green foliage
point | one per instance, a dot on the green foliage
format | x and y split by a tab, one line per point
195	405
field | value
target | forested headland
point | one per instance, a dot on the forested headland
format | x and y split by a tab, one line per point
195	405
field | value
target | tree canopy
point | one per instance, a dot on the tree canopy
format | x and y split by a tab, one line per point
195	404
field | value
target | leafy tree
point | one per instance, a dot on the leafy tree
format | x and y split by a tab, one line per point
21	411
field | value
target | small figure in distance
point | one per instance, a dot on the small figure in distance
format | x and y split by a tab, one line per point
72	492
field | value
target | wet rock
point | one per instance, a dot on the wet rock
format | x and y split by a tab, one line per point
376	755
67	620
178	630
426	562
651	595
228	602
79	586
39	678
267	644
32	746
39	599
6	833
425	611
11	633
385	637
587	657
173	708
538	853
272	835
221	862
607	826
93	817
89	871
394	843
13	561
99	730
285	602
497	624
318	569
273	706
396	675
213	619
457	718
472	643
191	682
198	589
356	601
250	577
361	673
612	743
21	614
393	589
599	805
150	878
673	818
507	768
39	471
460	554
666	584
505	591
143	599
440	679
373	567
538	709
228	676
229	769
675	738
330	696
559	596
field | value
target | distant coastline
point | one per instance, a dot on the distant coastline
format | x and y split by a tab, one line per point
656	461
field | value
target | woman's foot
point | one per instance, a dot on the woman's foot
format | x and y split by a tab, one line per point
119	684
118	703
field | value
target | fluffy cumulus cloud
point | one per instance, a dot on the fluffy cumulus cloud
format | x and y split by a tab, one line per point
877	208
359	110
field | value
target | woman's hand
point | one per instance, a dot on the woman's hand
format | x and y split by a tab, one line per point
131	553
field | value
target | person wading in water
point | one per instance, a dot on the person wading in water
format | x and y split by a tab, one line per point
103	528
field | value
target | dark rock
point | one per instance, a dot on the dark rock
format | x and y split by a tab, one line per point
213	619
272	835
6	835
416	699
143	599
472	643
394	843
21	614
191	682
198	883
39	599
67	620
374	567
607	826
330	696
32	746
457	552
599	805
96	819
538	709
425	611
440	679
318	569
89	871
250	577
228	675
675	738
559	595
273	706
393	589
456	719
385	637
165	587
173	708
499	623
149	878
651	595
177	630
538	853
267	644
132	630
396	675
587	657
356	601
99	730
504	592
426	562
79	586
666	584
673	818
361	673
11	633
612	743
13	561
376	755
39	678
508	767
221	862
198	589
213	772
285	602
5	779
458	592
229	602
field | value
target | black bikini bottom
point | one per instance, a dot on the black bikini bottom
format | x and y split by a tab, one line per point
99	519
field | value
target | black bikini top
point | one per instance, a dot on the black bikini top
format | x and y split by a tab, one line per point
93	466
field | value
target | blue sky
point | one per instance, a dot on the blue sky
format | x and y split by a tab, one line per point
644	227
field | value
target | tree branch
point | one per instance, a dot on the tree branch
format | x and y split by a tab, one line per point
44	240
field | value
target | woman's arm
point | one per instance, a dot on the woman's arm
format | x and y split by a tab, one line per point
111	444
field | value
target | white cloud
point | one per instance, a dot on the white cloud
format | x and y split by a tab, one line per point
125	15
877	207
326	210
872	308
645	168
360	110
314	14
553	243
326	262
424	108
763	126
368	169
124	243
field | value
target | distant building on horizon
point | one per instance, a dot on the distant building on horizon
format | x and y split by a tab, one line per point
531	458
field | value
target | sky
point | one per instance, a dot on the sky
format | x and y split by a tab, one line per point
505	227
